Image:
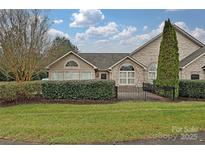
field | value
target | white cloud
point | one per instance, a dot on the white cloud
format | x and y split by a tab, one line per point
182	25
139	39
101	41
101	31
173	10
109	38
86	18
53	33
126	33
199	33
57	21
145	28
125	40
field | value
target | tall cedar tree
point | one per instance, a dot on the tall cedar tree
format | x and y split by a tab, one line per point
168	62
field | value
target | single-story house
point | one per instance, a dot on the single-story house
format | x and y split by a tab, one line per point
131	68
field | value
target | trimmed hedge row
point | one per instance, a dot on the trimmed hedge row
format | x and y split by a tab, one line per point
84	89
192	88
10	91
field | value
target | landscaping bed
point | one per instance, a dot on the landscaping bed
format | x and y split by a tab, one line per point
91	124
40	100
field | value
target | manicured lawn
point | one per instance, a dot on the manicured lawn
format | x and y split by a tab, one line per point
63	123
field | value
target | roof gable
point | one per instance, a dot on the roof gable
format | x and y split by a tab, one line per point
128	57
186	34
71	52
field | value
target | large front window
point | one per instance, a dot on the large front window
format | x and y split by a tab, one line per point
127	75
57	76
85	76
71	75
152	72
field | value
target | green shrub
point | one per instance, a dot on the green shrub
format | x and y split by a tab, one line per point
41	75
10	91
192	88
84	89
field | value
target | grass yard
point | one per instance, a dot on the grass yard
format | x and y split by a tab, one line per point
75	124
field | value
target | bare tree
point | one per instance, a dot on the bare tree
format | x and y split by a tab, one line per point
23	37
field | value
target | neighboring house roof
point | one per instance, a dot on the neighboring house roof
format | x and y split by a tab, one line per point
159	35
71	52
132	59
192	57
103	60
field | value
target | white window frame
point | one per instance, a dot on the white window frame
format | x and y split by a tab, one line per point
150	79
81	72
73	73
127	78
63	74
59	72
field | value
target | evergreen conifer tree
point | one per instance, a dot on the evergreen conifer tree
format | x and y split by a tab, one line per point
168	61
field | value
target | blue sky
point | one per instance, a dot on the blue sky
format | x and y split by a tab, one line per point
120	30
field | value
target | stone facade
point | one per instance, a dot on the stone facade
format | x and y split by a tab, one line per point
149	54
194	68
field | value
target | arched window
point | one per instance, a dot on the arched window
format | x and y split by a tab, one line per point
127	67
152	72
127	75
71	63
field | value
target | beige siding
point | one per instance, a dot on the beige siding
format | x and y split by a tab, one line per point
149	54
60	65
139	72
186	46
194	68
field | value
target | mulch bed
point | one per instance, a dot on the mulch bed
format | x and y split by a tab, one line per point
40	100
191	99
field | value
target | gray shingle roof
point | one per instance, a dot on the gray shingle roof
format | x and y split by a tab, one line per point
103	60
192	56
